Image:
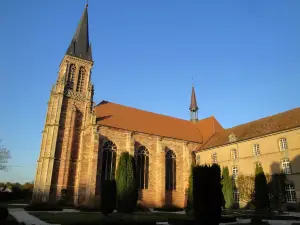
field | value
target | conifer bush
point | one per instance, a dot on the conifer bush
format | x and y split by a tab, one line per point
261	194
227	188
189	205
207	194
108	197
127	192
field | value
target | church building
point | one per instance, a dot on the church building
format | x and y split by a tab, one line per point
82	142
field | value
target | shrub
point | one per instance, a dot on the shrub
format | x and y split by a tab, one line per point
261	189
43	206
189	204
3	214
245	184
227	188
108	197
141	207
168	208
207	193
277	189
127	192
86	208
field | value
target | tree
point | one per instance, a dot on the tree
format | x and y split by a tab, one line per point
127	192
4	156
245	184
261	193
189	205
108	197
227	188
277	188
207	194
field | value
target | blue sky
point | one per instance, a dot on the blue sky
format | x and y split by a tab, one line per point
244	57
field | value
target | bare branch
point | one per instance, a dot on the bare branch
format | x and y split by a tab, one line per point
4	157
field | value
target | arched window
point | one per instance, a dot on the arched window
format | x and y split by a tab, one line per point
80	81
109	152
71	75
142	161
170	170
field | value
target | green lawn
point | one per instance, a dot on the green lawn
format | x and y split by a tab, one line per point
92	217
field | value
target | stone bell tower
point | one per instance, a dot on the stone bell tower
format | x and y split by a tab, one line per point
69	112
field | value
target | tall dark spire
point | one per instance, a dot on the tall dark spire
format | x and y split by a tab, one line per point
194	106
80	46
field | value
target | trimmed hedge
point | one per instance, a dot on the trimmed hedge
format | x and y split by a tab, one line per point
192	221
189	204
127	192
108	197
43	206
3	214
261	192
207	192
169	209
227	188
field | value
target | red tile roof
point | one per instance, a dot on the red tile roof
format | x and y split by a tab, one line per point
128	118
272	124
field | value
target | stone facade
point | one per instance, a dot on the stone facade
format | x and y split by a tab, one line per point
155	195
69	112
270	155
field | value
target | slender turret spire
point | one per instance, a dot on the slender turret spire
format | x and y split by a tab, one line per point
80	46
194	106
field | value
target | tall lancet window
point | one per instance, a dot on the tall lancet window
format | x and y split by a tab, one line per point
80	82
71	75
109	151
170	170
142	161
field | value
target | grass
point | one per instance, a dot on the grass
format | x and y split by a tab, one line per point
88	218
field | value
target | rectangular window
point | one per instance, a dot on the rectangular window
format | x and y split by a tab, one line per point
283	144
233	154
235	172
236	195
290	194
286	166
214	157
256	150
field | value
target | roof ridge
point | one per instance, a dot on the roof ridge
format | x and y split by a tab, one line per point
227	129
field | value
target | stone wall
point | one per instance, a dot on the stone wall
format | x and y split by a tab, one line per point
155	195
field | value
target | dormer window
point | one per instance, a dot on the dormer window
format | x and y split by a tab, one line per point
232	137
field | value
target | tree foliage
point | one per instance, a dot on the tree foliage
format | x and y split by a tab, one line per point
207	194
127	192
245	184
15	191
4	157
189	205
108	197
227	188
261	189
277	187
